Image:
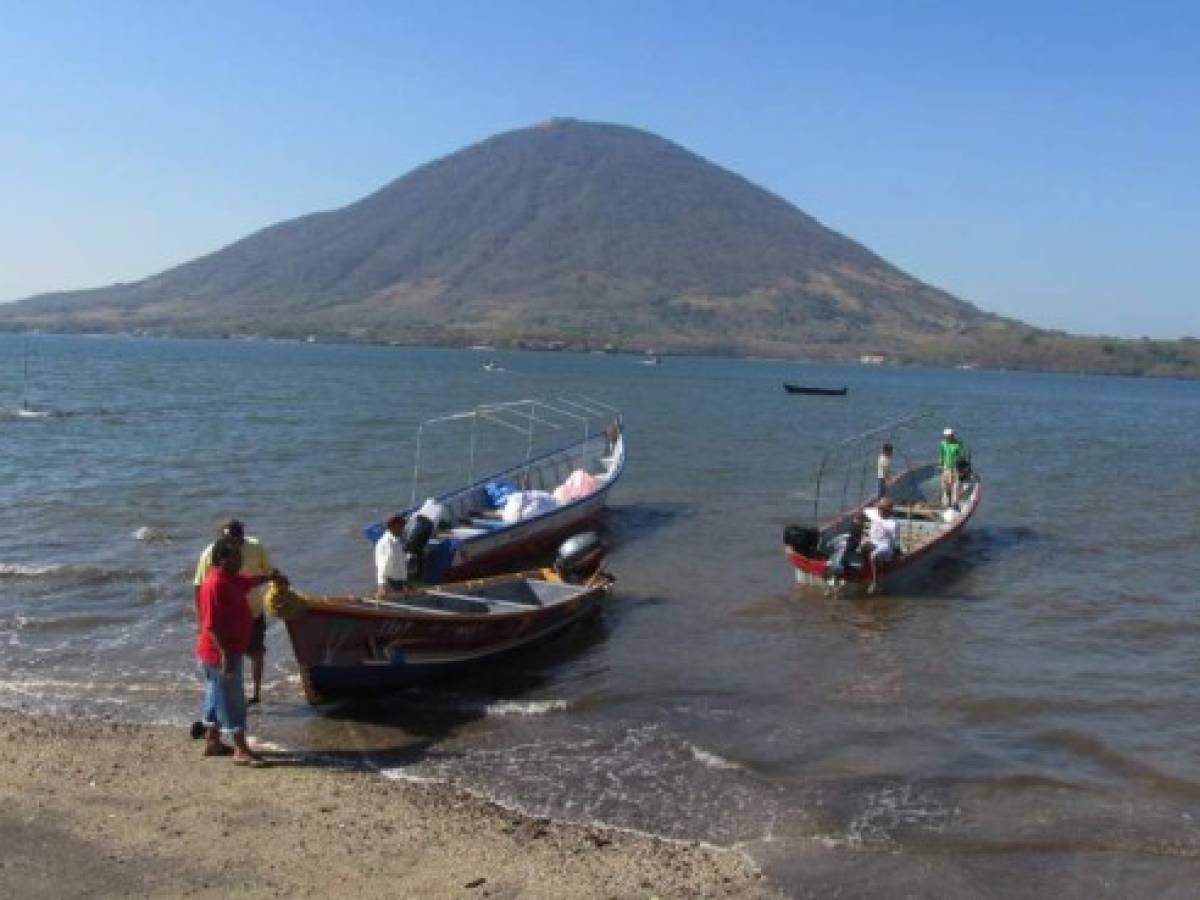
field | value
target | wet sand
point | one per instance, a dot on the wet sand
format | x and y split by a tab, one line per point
97	809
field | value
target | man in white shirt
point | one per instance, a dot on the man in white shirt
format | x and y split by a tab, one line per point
881	545
391	562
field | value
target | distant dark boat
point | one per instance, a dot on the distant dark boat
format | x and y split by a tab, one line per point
825	392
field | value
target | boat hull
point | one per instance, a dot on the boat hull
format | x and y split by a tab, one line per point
906	569
815	391
523	541
352	646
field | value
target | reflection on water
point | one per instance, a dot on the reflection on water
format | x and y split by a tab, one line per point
1029	708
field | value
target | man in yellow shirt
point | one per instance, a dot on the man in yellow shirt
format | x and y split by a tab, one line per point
255	562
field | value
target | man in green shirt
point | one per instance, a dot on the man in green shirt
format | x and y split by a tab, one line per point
950	452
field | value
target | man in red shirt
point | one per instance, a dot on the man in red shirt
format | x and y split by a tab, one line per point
225	628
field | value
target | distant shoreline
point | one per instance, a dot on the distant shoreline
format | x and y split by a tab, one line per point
1180	351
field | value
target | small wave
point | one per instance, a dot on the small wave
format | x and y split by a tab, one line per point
150	534
109	691
399	773
22	414
886	811
16	570
533	708
712	760
85	574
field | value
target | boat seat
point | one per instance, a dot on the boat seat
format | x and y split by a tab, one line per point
445	601
497	595
485	524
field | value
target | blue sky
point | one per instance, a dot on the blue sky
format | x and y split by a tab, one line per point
1037	159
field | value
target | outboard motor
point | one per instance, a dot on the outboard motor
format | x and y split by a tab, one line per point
579	556
803	539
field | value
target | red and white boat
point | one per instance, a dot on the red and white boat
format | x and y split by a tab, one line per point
825	554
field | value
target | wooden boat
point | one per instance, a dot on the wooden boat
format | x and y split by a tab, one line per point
824	392
924	527
348	645
470	539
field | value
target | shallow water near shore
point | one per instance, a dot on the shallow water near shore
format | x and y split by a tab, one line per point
1031	708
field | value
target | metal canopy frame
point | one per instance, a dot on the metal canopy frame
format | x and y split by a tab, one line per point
853	447
522	416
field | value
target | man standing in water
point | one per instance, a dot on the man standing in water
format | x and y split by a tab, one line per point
391	563
224	629
255	563
883	469
950	453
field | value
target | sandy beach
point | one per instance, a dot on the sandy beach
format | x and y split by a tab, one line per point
99	809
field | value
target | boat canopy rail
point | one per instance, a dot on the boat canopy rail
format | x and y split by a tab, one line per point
852	461
526	417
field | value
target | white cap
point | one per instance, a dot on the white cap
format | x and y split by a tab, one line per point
947	432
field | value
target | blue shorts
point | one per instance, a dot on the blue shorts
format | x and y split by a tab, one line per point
224	697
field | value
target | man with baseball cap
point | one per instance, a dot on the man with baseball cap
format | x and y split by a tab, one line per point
950	452
255	563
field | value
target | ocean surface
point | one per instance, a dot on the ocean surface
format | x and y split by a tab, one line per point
1024	724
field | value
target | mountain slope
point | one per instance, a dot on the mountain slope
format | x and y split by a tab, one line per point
566	230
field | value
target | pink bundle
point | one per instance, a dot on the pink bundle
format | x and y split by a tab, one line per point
578	484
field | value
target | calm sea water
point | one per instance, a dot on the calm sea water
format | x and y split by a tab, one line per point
1024	725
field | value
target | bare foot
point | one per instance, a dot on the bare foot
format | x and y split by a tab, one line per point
217	748
253	700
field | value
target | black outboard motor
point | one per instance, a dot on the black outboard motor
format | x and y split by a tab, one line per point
417	532
579	556
803	539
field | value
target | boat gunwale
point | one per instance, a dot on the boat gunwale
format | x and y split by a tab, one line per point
368	608
612	477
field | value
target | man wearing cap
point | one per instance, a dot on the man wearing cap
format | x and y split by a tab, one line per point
223	637
391	562
256	564
950	453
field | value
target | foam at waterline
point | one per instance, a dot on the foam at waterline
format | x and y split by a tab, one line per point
531	708
90	687
887	810
712	760
399	774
